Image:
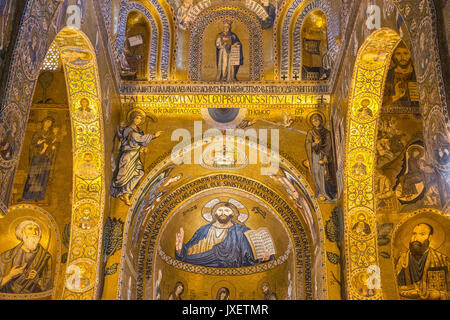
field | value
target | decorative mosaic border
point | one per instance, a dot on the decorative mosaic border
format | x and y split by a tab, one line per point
242	87
166	39
87	137
213	14
285	35
106	8
263	267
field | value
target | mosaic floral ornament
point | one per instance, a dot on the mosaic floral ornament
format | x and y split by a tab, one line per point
366	97
88	149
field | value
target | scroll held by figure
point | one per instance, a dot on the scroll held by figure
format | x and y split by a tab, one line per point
225	241
229	56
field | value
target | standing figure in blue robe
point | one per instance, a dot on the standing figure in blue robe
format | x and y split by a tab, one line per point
129	168
221	244
226	68
43	147
322	163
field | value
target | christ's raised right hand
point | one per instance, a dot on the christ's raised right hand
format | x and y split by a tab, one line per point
179	240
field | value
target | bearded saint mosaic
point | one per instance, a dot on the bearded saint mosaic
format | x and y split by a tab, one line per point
401	84
26	268
422	271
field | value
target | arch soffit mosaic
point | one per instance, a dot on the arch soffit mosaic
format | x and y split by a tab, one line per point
368	82
369	75
47	21
288	28
83	82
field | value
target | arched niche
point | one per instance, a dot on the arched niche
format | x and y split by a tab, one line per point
314	40
170	190
160	41
246	281
137	46
251	30
289	30
121	43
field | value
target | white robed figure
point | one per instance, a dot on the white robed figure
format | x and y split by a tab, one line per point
226	42
129	169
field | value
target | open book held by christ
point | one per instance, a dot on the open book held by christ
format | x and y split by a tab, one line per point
261	242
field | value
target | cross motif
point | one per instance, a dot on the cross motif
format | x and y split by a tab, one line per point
321	99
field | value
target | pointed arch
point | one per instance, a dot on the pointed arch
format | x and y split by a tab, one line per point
290	39
82	80
369	75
